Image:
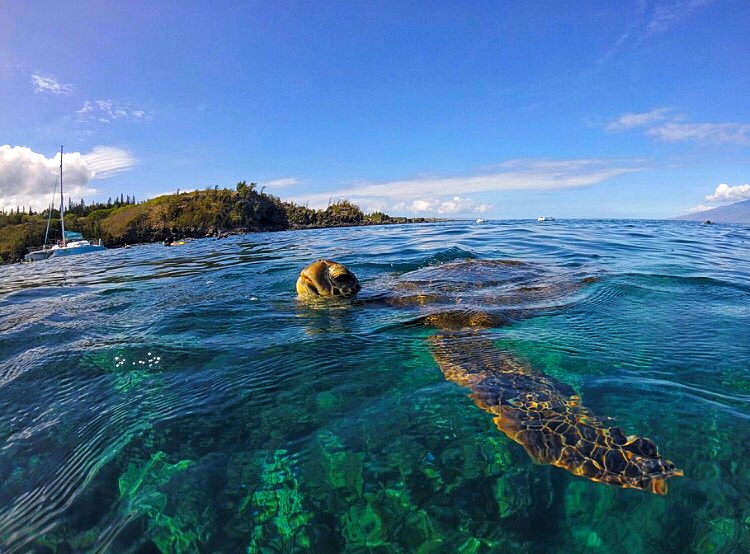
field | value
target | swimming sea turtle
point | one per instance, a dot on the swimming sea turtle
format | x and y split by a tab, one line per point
464	299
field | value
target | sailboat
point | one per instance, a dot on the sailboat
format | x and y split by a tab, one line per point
65	248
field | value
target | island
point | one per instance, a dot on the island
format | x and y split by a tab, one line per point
739	212
212	212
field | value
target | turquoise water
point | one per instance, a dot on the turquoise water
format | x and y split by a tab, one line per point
182	400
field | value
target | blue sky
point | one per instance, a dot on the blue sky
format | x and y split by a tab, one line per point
482	109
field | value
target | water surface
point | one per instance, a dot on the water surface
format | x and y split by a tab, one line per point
182	400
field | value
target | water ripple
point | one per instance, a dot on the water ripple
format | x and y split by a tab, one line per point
201	357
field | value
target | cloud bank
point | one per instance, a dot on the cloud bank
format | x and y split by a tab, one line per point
28	178
664	124
443	195
725	193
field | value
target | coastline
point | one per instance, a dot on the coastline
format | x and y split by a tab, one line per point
212	212
218	233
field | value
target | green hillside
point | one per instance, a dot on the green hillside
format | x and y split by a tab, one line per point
191	214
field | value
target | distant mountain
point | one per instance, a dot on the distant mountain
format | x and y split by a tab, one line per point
739	212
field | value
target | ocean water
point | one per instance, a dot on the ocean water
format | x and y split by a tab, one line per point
158	399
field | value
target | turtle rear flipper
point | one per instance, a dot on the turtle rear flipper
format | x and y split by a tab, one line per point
547	418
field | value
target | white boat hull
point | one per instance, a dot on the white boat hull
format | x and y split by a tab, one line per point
37	256
72	250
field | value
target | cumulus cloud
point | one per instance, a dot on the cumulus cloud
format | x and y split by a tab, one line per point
441	206
458	205
663	124
449	194
725	193
28	178
107	111
285	182
47	85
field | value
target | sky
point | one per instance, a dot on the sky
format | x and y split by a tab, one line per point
490	110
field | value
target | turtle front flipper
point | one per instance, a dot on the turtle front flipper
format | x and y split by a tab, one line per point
546	417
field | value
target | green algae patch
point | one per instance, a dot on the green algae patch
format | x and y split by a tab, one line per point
362	526
334	469
155	472
180	526
276	508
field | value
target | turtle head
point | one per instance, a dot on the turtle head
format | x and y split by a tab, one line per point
326	278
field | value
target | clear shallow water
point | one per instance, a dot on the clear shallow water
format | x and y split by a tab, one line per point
182	400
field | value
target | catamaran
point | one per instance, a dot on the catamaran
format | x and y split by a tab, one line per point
76	246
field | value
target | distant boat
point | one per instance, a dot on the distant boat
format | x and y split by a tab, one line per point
543	218
480	220
76	246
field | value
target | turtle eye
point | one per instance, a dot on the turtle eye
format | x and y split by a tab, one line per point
345	279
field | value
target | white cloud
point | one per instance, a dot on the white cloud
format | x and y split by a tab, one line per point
441	206
424	205
699	208
703	132
634	120
286	182
646	23
668	14
725	193
458	205
665	125
107	111
28	178
446	194
47	85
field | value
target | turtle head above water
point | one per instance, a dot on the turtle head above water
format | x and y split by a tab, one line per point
326	278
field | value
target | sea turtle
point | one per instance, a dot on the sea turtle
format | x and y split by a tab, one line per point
462	300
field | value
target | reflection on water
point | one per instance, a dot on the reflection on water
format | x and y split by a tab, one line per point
181	400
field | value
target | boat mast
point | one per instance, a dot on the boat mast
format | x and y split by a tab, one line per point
62	200
49	216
